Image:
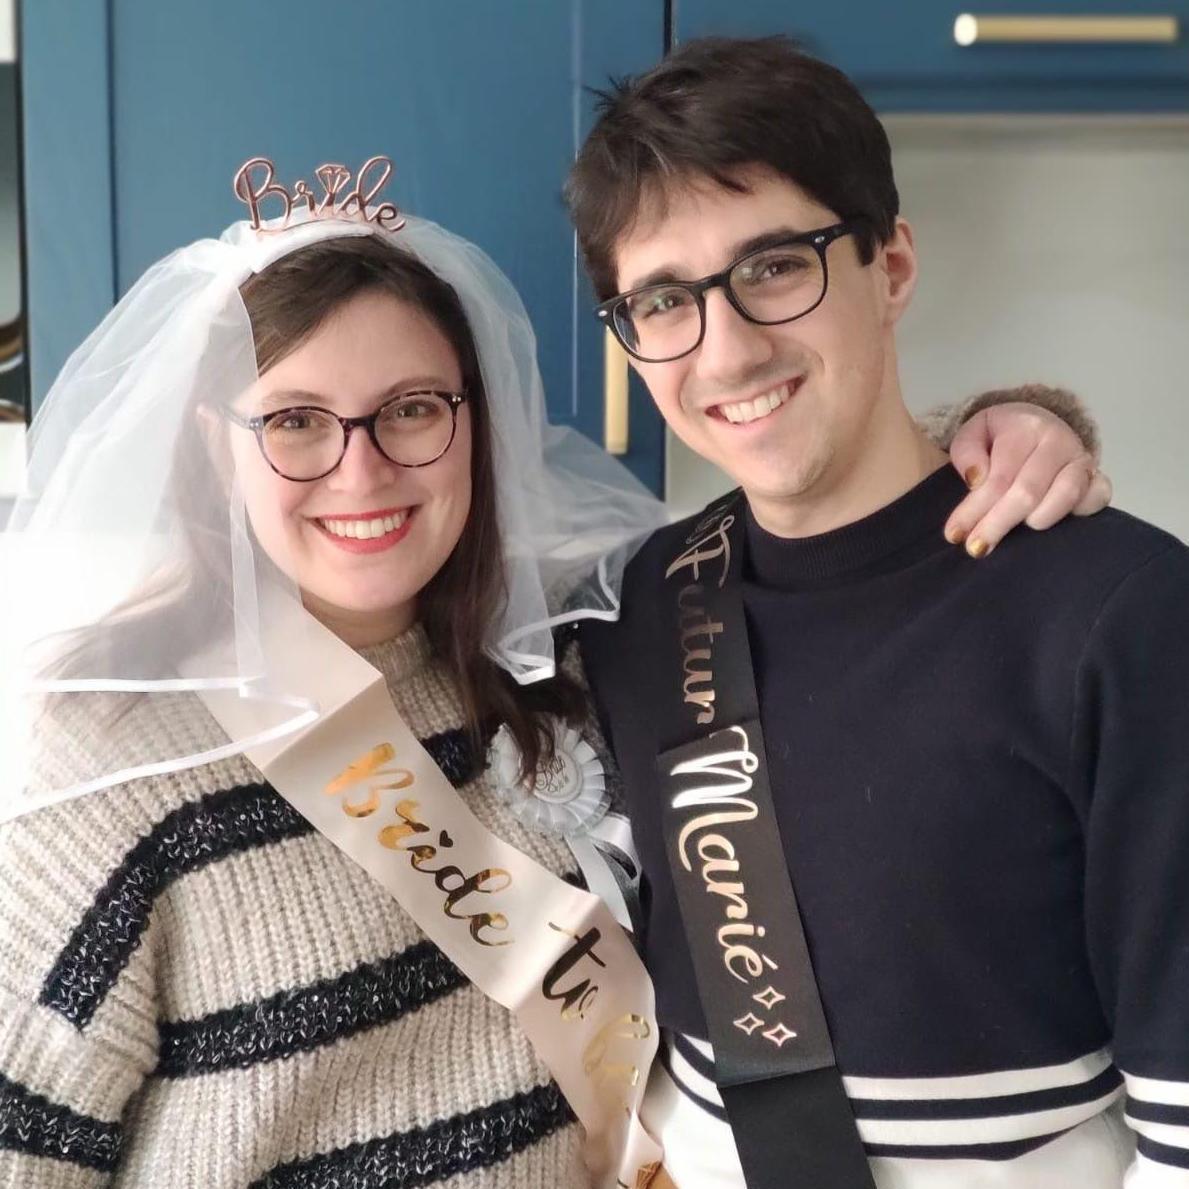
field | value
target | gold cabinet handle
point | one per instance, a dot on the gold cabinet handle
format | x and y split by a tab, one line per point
970	29
615	395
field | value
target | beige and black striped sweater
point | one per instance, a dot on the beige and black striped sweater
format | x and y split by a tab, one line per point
197	991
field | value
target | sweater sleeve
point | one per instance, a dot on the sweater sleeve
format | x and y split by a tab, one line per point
942	423
66	1072
61	1096
1130	778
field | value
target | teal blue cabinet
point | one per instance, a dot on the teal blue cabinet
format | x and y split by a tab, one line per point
138	113
906	56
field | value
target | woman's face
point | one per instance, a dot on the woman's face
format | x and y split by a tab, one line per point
364	587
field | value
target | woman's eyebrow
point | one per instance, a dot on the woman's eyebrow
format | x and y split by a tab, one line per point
284	398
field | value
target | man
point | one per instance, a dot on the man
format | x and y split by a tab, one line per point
977	840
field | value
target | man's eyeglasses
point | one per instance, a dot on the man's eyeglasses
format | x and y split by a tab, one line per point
307	443
659	323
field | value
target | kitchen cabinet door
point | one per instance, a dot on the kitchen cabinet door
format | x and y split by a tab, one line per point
138	113
906	56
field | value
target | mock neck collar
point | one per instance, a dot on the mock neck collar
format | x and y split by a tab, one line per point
898	534
401	657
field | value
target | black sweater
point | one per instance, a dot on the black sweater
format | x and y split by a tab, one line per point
981	777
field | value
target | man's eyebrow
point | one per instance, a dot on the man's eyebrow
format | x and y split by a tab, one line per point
667	274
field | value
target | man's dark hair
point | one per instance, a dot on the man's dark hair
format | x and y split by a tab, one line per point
717	105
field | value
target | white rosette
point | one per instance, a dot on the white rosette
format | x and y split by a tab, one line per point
568	799
569	796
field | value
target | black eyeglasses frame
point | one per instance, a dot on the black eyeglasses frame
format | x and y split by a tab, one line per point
819	239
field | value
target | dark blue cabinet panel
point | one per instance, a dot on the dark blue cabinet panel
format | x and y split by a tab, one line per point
481	106
905	56
70	273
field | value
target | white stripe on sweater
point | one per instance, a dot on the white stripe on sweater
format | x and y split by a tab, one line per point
993	1127
1154	1090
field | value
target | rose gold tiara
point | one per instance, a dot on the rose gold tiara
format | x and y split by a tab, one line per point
255	182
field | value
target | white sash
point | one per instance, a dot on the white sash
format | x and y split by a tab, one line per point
550	953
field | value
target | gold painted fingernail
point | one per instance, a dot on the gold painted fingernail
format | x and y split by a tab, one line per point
955	536
973	477
977	548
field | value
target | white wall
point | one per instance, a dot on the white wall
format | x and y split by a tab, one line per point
8	32
1055	251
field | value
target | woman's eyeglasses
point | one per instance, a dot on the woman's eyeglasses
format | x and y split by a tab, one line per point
307	443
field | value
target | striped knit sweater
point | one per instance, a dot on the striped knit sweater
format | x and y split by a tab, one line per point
196	989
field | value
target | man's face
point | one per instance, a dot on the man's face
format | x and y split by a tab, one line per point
831	374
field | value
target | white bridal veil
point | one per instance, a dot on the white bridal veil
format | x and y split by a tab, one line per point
129	565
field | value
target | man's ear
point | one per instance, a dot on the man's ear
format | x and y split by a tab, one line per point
897	261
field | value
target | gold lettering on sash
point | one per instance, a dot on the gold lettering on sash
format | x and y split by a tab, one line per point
721	797
732	890
712	547
420	857
617	1076
576	999
697	629
390	836
696	625
365	808
733	769
604	1060
449	879
365	770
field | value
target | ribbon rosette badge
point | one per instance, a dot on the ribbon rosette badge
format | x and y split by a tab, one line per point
569	794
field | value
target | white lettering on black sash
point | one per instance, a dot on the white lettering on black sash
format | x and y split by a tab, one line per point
698	630
717	852
724	844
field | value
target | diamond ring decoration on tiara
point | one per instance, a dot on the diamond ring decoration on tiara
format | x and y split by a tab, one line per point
255	181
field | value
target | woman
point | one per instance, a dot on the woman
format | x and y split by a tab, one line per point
197	987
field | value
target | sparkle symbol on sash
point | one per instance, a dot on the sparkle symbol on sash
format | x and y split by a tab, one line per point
778	1035
749	1023
769	997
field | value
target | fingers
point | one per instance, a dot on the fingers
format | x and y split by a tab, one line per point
1080	488
1069	488
1045	484
1099	494
1038	472
1009	455
970	451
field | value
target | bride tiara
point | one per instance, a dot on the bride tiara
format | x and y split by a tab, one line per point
255	183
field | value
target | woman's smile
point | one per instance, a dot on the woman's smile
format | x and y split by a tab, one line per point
366	532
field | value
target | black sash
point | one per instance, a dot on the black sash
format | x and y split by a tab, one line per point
774	1063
